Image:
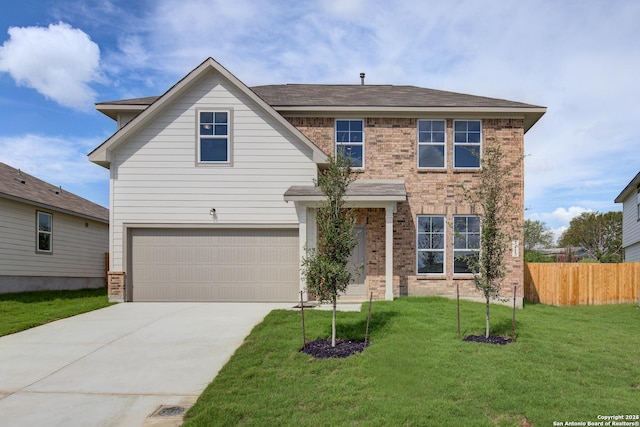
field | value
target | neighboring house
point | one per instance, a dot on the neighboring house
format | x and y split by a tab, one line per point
49	238
213	199
630	199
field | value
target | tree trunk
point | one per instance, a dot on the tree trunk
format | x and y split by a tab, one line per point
333	322
486	334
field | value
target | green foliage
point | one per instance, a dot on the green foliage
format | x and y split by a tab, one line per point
325	267
537	235
494	198
589	261
24	310
600	234
536	256
568	363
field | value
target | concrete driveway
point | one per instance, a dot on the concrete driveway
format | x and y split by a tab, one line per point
119	365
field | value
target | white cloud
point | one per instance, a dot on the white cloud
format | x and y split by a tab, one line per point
57	160
58	61
566	215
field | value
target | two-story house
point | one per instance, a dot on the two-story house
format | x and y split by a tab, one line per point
212	194
630	199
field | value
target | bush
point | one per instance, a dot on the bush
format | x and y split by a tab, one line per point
535	256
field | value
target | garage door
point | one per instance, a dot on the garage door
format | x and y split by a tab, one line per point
248	265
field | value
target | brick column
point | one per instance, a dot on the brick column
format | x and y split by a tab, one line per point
116	286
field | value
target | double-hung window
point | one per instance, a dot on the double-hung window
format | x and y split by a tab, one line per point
430	244
214	137
466	243
431	144
44	234
350	141
467	137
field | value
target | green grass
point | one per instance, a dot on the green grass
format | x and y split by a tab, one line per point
24	310
568	364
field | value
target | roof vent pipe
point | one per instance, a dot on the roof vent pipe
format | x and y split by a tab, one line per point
362	79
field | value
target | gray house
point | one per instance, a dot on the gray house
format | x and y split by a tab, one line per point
49	237
630	199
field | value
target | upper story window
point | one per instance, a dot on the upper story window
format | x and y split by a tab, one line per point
430	244
466	243
214	139
44	227
431	144
350	141
638	200
467	137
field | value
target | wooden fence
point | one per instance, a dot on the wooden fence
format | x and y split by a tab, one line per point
581	284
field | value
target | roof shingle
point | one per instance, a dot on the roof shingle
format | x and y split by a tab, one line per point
18	185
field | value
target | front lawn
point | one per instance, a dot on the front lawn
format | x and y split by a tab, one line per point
568	364
24	310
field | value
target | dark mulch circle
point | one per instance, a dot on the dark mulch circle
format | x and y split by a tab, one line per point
493	339
321	349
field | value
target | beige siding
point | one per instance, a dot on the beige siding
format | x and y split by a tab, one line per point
79	244
155	178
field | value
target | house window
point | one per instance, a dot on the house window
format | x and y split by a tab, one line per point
214	139
350	141
431	143
466	243
44	231
430	244
466	144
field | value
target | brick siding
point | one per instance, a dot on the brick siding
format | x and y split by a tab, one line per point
390	153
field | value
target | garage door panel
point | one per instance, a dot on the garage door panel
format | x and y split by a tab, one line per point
214	265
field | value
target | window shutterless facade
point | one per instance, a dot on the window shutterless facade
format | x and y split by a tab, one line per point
466	243
214	136
430	244
350	141
44	232
467	144
431	144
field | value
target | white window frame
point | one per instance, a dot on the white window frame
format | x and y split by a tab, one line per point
228	135
44	232
444	245
431	144
338	143
477	145
638	201
467	248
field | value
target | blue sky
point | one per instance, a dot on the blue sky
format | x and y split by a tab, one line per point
579	59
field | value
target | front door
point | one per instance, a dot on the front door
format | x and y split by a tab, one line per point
357	266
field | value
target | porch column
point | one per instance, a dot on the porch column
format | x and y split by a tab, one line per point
301	211
388	251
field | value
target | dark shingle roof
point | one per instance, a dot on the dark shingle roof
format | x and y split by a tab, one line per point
373	96
18	185
312	95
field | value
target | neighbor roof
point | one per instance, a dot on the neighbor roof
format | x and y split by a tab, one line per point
20	186
632	187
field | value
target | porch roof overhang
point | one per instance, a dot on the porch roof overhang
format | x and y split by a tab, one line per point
360	193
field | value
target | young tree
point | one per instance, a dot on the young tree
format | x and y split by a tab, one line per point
325	267
600	234
537	235
493	197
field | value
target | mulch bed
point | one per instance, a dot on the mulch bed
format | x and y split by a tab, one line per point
321	349
493	339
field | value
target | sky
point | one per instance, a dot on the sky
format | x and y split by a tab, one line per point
580	59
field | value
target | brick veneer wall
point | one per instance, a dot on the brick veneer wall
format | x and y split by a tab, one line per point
390	153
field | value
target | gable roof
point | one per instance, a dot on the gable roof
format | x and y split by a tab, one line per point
20	186
632	187
101	155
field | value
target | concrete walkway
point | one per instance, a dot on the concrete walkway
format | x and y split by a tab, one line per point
119	365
